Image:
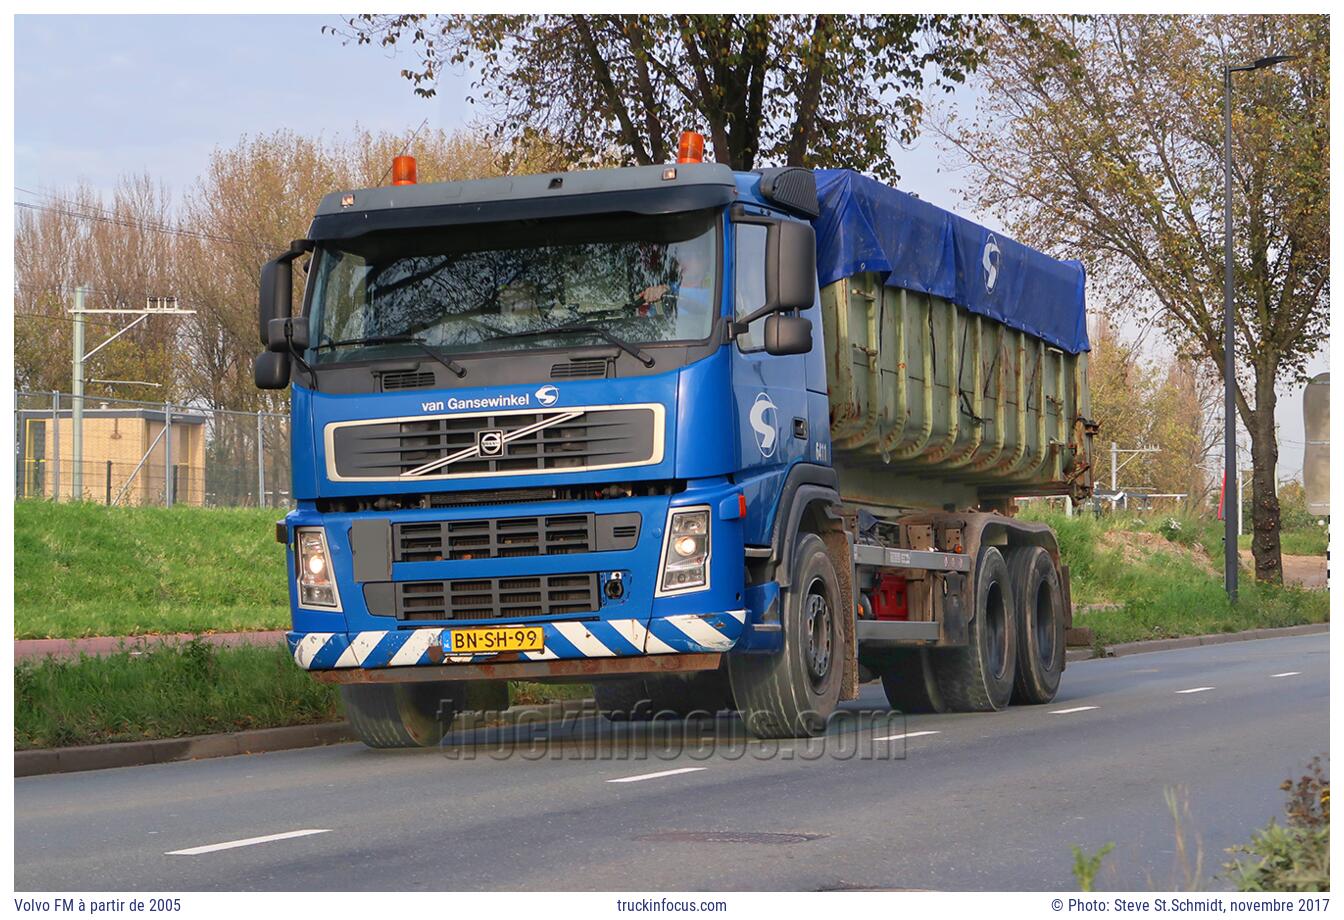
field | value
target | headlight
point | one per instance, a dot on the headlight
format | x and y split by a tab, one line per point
685	552
316	586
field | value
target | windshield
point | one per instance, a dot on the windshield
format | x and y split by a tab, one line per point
471	289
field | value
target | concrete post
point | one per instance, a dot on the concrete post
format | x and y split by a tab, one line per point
77	401
261	461
167	455
55	445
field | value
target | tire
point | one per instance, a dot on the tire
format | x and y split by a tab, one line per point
978	677
908	681
402	715
792	694
1040	624
638	699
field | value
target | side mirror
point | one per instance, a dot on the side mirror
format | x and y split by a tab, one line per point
276	299
270	370
787	335
790	266
284	331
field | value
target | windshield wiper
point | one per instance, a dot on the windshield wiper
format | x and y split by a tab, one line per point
638	353
420	343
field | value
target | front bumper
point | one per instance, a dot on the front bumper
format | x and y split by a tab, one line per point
676	634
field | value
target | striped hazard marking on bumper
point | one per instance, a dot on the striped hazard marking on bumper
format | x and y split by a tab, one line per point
391	648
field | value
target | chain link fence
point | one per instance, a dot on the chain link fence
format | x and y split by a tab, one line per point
126	452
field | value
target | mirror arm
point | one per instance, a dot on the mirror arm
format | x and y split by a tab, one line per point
294	353
754	315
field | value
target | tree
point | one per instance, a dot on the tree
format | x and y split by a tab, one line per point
1147	403
118	248
261	193
1103	140
815	90
251	200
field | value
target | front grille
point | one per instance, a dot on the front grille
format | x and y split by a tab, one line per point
592	438
495	538
497	598
579	367
407	380
491	539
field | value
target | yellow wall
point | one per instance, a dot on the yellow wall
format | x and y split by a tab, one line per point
123	441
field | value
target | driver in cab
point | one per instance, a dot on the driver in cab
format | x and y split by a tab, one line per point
689	298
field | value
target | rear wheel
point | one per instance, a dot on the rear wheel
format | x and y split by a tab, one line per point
978	677
792	694
404	714
1040	624
907	679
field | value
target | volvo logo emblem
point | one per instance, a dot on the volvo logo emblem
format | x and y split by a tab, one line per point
490	442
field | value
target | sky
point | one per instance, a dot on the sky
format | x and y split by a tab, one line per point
99	97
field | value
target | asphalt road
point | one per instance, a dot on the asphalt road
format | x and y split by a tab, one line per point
968	801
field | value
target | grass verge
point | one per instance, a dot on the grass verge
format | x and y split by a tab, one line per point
1164	583
82	569
191	689
170	692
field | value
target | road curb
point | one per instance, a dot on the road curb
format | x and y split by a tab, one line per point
1163	645
35	649
200	747
167	750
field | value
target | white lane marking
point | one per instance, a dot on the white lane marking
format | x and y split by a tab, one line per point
1064	712
904	735
1195	690
1287	674
250	841
644	776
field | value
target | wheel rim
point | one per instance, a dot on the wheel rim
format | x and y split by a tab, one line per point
1044	627
817	610
996	625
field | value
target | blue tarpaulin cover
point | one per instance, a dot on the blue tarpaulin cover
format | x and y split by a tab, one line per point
866	226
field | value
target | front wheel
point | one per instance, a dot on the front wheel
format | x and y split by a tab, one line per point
402	715
792	693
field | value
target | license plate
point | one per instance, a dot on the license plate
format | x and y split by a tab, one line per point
497	639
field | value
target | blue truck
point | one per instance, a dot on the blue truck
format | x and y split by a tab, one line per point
706	439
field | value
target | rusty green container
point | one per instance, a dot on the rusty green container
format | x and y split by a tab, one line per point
934	407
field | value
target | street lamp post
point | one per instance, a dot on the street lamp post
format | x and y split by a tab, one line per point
1230	521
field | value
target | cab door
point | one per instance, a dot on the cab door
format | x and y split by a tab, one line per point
776	397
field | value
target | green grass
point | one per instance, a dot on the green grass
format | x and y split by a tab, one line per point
194	689
1165	593
1307	542
82	569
